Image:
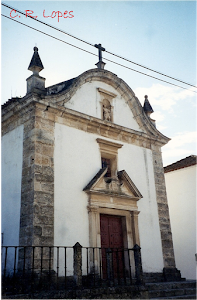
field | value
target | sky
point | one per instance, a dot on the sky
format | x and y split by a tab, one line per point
160	35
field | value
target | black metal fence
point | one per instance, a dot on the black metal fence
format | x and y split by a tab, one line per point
55	267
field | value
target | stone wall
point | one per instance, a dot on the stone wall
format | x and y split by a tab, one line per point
37	199
170	271
163	211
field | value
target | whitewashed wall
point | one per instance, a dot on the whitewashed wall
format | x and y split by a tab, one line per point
139	165
11	164
11	175
77	160
87	100
181	192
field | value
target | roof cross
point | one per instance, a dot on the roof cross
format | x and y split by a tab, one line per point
100	49
100	63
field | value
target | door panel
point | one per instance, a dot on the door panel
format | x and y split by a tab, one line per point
112	246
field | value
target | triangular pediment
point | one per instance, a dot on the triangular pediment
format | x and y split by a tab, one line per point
124	177
119	186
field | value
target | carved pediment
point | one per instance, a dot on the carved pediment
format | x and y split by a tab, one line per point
118	186
124	177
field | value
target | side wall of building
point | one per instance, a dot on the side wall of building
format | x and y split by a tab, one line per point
181	192
11	164
77	160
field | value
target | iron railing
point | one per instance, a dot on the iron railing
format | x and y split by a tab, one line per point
58	267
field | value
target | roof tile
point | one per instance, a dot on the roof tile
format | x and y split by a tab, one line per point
183	163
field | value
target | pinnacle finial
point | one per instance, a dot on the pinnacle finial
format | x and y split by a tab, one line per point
36	64
147	107
35	83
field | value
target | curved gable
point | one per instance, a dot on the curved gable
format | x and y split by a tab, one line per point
90	98
83	95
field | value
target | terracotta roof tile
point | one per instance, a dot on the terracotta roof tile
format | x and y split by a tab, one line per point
15	99
183	163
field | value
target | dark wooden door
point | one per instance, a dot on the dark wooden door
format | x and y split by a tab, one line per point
112	246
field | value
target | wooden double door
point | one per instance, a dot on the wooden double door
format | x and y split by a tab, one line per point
112	246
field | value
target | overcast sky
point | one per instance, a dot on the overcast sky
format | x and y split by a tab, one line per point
160	35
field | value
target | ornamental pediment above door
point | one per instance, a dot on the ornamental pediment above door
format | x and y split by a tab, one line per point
114	196
120	186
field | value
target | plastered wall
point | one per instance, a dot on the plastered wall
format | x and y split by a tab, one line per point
181	192
11	174
77	160
12	155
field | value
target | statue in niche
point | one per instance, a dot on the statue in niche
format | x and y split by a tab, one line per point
106	110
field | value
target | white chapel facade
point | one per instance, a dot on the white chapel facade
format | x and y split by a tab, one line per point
87	155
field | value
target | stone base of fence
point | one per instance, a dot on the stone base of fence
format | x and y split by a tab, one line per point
124	292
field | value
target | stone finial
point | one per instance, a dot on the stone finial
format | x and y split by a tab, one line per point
148	109
35	83
36	64
100	65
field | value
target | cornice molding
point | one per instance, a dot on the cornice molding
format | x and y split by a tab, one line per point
58	100
78	120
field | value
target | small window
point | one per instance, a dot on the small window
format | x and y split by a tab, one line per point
109	156
106	163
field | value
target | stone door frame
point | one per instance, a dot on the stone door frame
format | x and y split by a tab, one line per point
129	221
129	225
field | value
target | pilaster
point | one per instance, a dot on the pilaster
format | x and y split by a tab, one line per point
164	219
94	225
135	229
37	190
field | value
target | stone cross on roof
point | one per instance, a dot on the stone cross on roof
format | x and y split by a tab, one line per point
100	64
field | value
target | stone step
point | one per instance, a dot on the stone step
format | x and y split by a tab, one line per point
153	277
172	290
171	293
177	297
171	285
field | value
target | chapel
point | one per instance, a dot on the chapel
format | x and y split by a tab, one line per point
82	162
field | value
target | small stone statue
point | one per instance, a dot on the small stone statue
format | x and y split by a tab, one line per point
106	113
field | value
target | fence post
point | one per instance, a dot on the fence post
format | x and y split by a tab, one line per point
77	264
109	264
138	265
